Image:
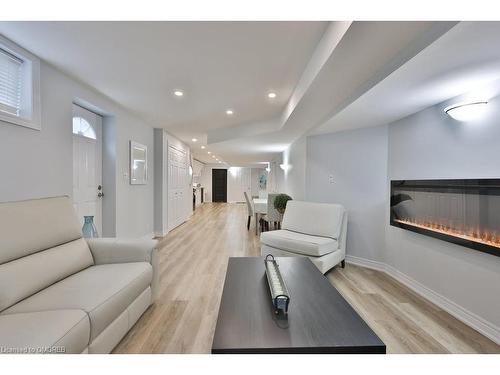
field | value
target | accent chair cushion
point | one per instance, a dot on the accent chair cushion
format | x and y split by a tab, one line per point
315	219
299	243
103	291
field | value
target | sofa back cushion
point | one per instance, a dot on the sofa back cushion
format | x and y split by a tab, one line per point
40	244
317	219
27	227
26	276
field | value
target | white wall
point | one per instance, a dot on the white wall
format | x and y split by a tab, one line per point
357	160
160	183
40	162
294	178
431	145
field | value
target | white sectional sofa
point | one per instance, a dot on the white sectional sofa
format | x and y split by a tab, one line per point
62	294
314	230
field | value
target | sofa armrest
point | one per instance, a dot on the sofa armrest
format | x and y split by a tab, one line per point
116	250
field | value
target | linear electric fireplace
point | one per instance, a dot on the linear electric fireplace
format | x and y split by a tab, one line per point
465	212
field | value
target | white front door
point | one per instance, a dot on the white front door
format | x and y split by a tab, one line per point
87	165
177	182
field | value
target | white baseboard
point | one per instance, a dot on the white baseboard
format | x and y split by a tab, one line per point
367	263
474	321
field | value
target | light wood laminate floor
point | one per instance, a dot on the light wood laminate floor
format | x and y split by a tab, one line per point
193	261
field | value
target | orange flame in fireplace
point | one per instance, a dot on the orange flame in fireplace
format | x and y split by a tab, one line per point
470	234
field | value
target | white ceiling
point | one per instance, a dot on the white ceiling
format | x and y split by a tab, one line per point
462	61
219	65
328	76
355	58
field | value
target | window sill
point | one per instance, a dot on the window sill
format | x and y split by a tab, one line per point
14	120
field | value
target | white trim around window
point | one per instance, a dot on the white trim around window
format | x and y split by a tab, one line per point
28	112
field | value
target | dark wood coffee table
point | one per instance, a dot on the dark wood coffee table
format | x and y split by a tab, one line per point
319	319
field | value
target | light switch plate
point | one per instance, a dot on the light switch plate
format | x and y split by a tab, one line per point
330	179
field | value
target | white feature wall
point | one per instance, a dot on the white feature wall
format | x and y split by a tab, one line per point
350	168
430	145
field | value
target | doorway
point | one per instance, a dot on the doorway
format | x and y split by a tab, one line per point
87	165
219	185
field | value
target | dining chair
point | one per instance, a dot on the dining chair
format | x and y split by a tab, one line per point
272	216
249	210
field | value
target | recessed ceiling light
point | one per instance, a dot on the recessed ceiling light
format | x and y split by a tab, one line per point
229	112
209	152
178	93
271	95
220	162
466	111
194	140
202	147
213	156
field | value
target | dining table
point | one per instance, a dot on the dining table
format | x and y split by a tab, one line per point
259	208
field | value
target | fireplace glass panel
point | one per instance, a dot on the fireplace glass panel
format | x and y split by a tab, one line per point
466	212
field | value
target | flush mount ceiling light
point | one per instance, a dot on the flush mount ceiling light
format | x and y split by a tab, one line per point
229	112
178	93
271	95
209	152
194	140
202	147
466	111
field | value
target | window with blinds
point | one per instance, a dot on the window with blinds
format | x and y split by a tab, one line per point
20	102
10	83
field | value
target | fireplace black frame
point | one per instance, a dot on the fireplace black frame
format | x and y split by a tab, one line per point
467	186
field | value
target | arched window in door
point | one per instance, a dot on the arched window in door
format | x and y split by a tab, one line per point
83	128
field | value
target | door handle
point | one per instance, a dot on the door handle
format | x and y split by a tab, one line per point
100	194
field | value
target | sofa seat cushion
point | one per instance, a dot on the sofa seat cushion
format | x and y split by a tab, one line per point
299	243
103	291
56	331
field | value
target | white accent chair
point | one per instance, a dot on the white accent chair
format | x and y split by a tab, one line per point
314	230
62	293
